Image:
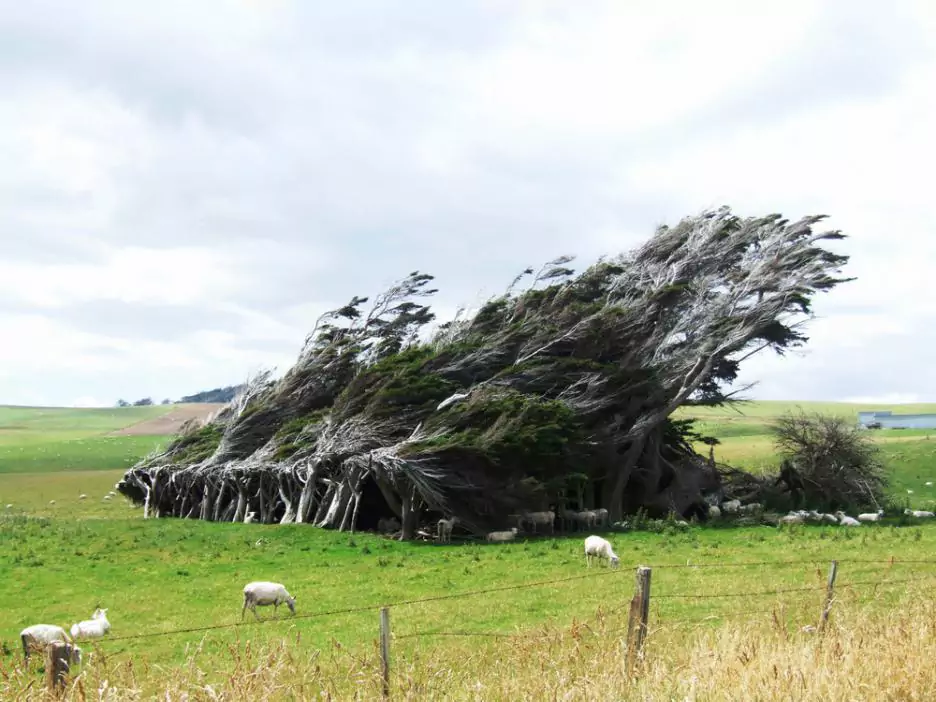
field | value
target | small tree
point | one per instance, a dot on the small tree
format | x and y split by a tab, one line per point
145	402
828	462
123	403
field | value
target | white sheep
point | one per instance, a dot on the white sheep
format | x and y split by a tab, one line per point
82	496
535	519
845	520
106	498
51	502
731	506
919	513
829	518
714	512
792	518
10	506
262	593
597	547
92	628
502	535
602	517
751	508
871	516
38	636
444	529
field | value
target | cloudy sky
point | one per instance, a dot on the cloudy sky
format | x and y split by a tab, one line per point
185	186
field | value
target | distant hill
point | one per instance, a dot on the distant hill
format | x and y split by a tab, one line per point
213	396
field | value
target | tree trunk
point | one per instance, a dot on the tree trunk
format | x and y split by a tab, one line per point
615	500
393	502
324	504
305	498
409	517
241	511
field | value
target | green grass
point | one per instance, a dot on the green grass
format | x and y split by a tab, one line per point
909	454
164	575
39	439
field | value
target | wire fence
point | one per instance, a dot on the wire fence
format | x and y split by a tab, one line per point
375	607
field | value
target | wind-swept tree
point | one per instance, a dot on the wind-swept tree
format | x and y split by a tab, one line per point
559	393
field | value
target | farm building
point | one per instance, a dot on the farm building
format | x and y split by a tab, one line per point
885	419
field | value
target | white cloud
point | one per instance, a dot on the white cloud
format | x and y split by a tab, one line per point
184	189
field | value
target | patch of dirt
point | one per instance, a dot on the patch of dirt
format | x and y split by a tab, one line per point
170	422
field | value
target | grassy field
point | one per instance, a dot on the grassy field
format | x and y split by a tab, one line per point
161	576
910	455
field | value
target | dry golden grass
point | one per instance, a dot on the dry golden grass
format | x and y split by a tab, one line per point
872	650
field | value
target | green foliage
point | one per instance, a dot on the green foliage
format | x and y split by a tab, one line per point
196	445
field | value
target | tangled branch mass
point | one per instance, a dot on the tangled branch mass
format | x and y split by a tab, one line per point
556	393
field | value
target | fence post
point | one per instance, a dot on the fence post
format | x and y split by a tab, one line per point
59	655
830	593
639	616
385	649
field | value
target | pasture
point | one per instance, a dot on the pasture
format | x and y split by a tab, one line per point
161	577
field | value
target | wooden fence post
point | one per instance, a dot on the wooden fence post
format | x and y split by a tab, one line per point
639	616
830	594
385	649
59	656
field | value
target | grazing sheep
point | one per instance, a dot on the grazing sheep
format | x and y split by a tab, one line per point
596	547
261	594
9	506
106	498
38	636
792	518
929	483
830	518
51	502
919	513
731	506
845	520
714	512
535	519
82	496
388	526
871	516
502	535
445	529
586	518
92	628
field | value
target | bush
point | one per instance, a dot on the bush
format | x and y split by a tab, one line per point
828	463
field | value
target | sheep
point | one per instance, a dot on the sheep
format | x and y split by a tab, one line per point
10	506
919	513
445	529
106	498
792	518
502	535
845	520
929	483
92	628
540	518
714	512
596	547
51	502
82	496
871	516
602	517
38	636
262	593
388	526
731	506
751	508
586	518
829	518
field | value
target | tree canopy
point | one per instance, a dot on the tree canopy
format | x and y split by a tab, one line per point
557	391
